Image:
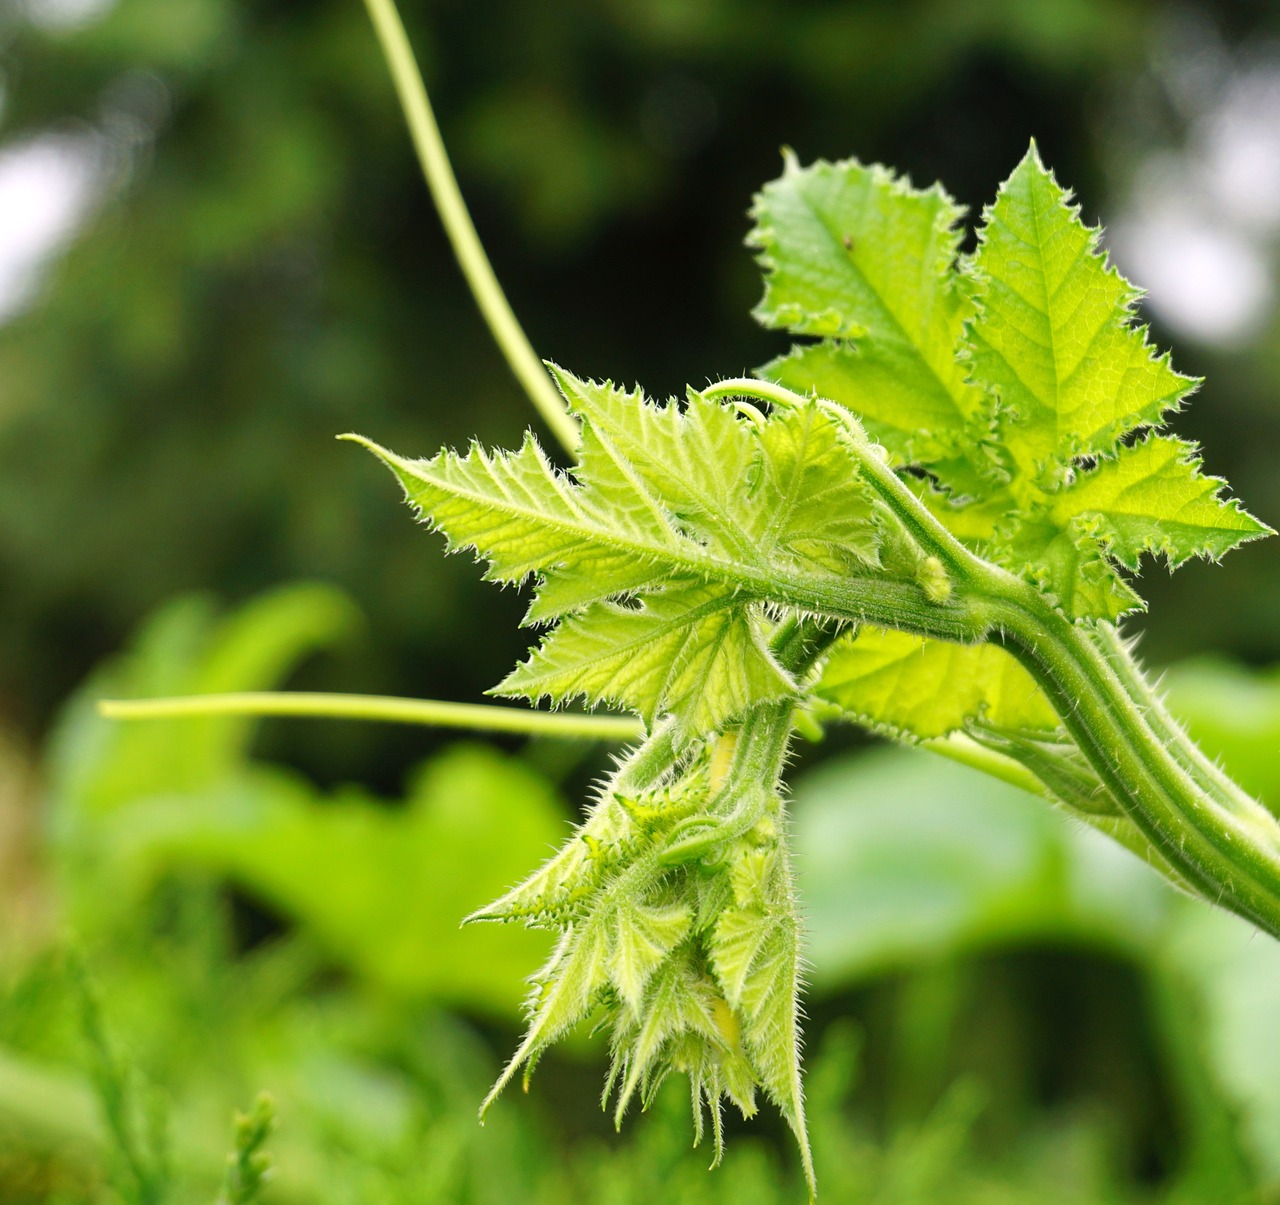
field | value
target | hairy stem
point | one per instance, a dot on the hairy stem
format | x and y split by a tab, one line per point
1216	839
1189	755
477	717
497	312
1231	858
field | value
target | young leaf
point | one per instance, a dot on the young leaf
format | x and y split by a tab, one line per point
925	688
770	1011
524	516
854	253
817	511
692	465
1053	337
643	936
712	472
691	651
675	511
688	944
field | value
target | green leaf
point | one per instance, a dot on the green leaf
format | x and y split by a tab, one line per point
740	934
1053	337
524	516
1153	498
379	887
657	460
1068	563
926	688
904	858
770	1012
1005	377
682	1001
642	937
854	253
656	555
746	491
817	511
186	648
692	651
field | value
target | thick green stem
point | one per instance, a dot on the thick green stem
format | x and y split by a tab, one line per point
1189	755
1231	857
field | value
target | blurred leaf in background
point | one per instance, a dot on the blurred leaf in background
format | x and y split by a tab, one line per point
381	886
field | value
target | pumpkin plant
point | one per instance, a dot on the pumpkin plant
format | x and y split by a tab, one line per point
925	518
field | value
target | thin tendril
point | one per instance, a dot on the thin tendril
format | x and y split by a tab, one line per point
475	716
497	312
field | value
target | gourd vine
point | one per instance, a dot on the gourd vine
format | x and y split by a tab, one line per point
948	490
926	518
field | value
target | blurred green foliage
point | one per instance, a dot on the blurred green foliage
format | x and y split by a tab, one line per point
381	886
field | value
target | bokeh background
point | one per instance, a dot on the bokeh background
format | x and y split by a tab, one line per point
216	253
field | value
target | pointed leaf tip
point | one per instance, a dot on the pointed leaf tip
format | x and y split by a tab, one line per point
383	454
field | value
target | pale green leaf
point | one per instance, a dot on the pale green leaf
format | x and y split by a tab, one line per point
693	651
854	253
697	462
642	937
546	896
977	521
565	990
1153	498
745	491
679	1001
926	688
770	1014
1053	337
739	935
657	553
522	514
551	894
816	510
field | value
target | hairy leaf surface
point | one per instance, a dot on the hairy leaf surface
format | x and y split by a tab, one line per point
857	255
1152	498
645	554
1019	373
692	651
1053	337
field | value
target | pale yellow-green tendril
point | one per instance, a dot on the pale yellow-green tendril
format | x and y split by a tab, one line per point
477	717
473	261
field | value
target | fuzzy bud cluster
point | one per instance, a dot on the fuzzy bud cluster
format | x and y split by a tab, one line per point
677	933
